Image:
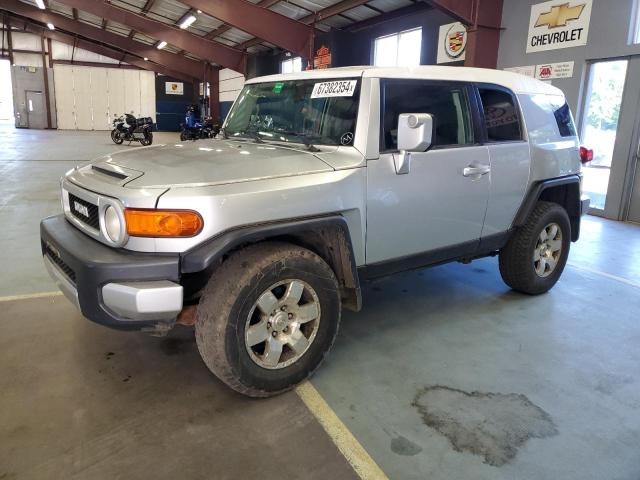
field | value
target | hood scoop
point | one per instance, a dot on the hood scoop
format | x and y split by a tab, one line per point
110	171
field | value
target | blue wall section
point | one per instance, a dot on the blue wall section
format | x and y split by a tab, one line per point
171	109
224	110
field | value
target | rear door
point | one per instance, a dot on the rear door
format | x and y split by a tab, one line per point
510	156
442	201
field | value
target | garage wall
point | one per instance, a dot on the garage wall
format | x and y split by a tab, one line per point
89	98
608	37
30	79
231	82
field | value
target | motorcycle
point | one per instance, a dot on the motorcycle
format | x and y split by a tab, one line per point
194	129
129	128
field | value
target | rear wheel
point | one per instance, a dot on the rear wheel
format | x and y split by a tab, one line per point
267	318
115	136
536	254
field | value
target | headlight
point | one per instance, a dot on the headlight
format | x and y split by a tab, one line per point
113	224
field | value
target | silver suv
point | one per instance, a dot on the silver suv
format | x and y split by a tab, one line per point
320	181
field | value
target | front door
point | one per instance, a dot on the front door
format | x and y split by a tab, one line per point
438	203
36	113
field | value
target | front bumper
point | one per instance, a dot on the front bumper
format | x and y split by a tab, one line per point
116	288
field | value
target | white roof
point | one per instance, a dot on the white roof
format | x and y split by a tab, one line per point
513	81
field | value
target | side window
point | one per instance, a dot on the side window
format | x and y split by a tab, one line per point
501	116
447	104
565	121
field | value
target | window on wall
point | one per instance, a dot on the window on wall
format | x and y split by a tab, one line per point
291	65
447	104
635	23
398	50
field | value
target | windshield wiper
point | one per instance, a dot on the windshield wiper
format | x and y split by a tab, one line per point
305	137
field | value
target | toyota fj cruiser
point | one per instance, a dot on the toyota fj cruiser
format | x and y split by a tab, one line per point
320	180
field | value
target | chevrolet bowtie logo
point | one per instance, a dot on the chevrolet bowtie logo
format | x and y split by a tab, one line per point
559	15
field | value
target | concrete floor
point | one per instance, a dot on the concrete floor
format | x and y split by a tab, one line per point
445	374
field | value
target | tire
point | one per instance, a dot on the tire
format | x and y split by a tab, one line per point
147	139
527	263
115	136
183	136
228	310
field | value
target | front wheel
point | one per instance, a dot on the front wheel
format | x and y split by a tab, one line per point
535	256
183	136
115	136
147	139
268	317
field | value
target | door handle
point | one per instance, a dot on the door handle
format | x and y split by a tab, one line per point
473	171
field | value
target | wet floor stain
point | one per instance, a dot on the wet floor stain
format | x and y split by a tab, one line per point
405	447
491	425
176	346
108	355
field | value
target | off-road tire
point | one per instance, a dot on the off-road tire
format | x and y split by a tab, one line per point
516	258
228	299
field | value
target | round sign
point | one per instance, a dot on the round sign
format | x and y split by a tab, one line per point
346	138
455	40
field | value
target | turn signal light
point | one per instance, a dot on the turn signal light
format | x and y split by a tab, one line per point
162	223
586	155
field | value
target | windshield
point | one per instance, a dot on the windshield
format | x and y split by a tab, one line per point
319	111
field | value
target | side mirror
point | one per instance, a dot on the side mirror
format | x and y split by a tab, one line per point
415	134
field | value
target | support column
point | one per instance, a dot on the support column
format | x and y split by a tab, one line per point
7	23
214	94
484	34
45	76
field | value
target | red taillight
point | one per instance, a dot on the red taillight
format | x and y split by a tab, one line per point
586	155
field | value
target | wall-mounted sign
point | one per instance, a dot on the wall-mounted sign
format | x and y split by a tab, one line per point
545	71
528	70
174	88
322	58
558	24
554	70
452	41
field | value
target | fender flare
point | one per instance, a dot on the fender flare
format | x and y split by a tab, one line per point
328	236
536	192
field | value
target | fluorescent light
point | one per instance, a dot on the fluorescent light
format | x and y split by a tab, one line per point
40	4
51	27
186	21
199	11
146	59
161	45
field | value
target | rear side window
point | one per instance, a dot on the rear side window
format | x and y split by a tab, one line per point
501	116
448	105
565	121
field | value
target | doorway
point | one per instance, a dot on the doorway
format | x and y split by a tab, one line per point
610	125
36	111
6	96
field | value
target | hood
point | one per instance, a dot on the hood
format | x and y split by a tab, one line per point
211	162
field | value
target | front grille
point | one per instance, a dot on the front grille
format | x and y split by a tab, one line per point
55	258
84	211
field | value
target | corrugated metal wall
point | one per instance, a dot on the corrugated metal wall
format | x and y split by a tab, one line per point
88	98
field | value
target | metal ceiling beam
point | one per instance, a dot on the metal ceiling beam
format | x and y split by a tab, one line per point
171	61
282	31
225	28
323	14
207	49
105	51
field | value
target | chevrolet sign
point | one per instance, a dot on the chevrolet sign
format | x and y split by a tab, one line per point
558	24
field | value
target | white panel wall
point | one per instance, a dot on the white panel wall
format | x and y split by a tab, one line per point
93	96
65	101
231	82
62	51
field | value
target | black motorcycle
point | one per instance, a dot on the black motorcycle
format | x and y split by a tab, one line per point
131	129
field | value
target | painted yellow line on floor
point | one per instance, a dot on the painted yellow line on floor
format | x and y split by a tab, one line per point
355	454
29	296
604	274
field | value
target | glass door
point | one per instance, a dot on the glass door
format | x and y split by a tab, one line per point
600	126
